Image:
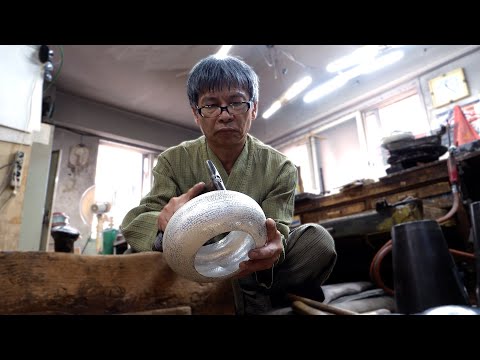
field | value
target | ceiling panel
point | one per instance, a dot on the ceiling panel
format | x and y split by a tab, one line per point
151	79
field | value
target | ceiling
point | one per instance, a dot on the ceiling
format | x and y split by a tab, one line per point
150	79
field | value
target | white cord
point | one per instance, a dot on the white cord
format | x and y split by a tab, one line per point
262	284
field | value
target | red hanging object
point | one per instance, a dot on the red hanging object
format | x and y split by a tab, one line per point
463	131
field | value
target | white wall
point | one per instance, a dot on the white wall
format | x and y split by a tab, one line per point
21	88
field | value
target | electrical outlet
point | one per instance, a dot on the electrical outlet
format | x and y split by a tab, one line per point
17	169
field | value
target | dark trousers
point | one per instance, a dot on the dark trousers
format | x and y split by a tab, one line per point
309	260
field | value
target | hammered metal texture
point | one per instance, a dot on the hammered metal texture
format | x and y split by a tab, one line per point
209	216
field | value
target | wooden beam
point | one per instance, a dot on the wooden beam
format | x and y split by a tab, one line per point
64	283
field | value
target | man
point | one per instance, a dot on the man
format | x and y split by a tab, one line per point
223	95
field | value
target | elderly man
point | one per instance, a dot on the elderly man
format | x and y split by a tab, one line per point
223	95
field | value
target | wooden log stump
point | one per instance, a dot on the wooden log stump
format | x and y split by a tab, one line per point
65	283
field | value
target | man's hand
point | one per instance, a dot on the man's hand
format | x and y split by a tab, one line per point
176	203
266	256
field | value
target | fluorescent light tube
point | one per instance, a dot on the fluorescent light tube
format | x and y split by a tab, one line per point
325	88
343	78
382	61
297	88
359	56
272	109
223	51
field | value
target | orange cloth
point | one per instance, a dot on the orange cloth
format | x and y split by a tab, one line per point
463	131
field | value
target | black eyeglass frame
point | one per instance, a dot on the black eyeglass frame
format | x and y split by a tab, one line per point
224	108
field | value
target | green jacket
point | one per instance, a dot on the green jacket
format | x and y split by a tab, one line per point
260	171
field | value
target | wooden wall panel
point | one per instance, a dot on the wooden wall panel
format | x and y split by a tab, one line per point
11	205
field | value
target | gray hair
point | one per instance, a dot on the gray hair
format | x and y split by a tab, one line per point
215	74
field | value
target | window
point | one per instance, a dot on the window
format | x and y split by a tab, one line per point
349	148
377	156
341	156
299	154
403	116
332	156
123	182
149	162
394	116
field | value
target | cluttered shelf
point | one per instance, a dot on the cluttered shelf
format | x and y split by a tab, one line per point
423	181
427	182
360	217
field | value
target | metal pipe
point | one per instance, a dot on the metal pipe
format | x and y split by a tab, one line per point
387	247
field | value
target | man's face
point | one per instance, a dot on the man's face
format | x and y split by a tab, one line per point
225	129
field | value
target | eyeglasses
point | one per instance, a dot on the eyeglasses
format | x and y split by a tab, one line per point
235	108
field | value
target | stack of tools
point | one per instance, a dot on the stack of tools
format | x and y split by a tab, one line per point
409	152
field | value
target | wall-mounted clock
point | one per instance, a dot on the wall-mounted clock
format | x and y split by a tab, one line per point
448	88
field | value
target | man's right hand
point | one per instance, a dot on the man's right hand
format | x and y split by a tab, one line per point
176	203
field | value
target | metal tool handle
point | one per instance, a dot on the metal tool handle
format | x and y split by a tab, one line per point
215	176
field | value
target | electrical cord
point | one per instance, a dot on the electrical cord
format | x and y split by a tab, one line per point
3	166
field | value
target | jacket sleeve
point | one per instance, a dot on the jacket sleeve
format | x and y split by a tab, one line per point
139	226
280	201
279	205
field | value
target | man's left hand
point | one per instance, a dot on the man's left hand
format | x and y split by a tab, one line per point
266	256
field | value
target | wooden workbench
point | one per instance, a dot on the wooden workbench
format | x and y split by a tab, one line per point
350	209
427	182
38	282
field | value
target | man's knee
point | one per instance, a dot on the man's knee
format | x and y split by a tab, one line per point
312	238
322	246
321	237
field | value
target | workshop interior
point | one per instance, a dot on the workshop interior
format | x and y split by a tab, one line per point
385	138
